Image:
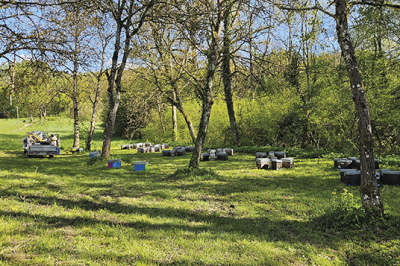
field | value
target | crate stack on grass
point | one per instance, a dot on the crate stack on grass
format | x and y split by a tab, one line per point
94	154
145	147
216	154
350	173
274	160
127	146
178	151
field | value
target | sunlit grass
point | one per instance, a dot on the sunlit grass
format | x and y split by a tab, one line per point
65	211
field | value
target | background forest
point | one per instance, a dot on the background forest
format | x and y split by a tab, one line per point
288	81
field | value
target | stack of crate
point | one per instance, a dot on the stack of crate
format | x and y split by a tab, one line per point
274	160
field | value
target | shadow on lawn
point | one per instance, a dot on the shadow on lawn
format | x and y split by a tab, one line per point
262	229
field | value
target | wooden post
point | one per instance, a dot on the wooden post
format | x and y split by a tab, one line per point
18	118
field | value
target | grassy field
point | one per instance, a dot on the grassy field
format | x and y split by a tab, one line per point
70	210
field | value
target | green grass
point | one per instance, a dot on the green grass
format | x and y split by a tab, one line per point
66	211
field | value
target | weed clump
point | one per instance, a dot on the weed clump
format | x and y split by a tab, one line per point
347	213
96	161
195	174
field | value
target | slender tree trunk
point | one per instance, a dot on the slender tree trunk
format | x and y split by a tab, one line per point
75	105
227	75
177	103
207	99
160	110
30	116
12	80
174	119
251	61
76	123
187	120
93	120
370	195
118	66
113	102
201	135
108	130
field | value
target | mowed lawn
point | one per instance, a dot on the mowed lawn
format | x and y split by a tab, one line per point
67	211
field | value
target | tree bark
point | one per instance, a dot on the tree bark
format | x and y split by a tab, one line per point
187	120
202	133
75	103
370	195
226	70
93	120
40	113
206	91
174	118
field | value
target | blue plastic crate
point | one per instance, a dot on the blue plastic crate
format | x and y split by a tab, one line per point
114	163
140	166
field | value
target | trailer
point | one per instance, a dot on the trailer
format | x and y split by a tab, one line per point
38	143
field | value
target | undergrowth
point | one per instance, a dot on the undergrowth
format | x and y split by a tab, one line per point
346	212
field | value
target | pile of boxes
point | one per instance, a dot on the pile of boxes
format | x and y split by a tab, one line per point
145	147
94	154
350	173
216	154
178	151
274	160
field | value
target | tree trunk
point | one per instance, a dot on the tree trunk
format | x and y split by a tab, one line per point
113	103
226	70
187	120
30	116
177	103
118	66
41	113
108	130
76	123
160	110
75	104
370	195
93	120
174	119
206	96
201	135
12	80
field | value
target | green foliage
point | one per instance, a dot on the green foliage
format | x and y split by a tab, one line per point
388	161
345	211
135	109
96	161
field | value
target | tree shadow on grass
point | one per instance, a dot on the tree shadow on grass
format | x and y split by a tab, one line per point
262	229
